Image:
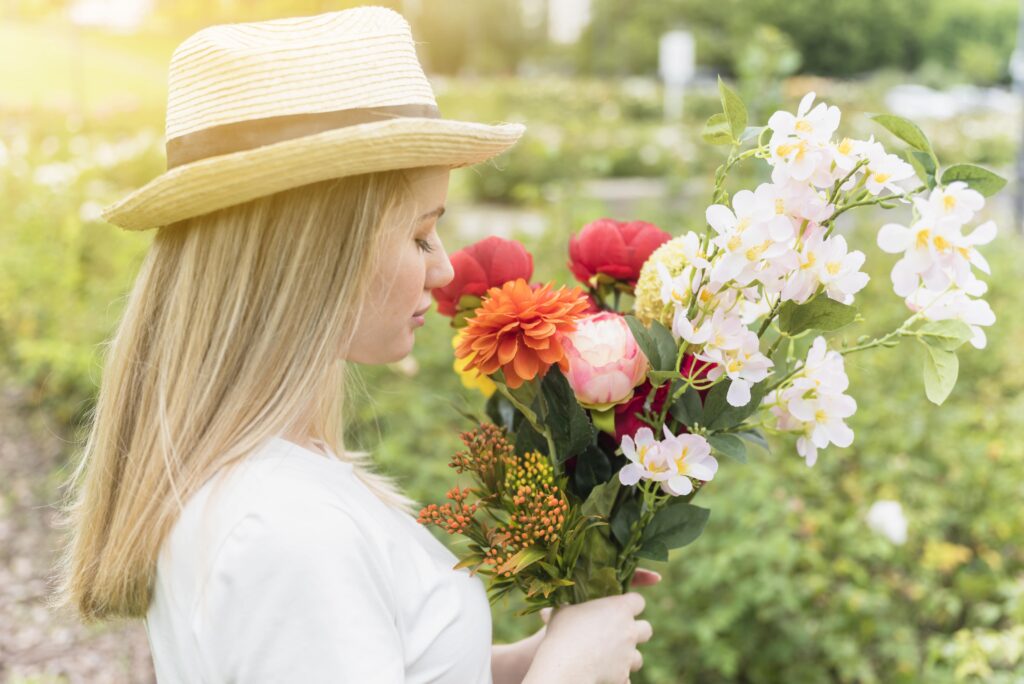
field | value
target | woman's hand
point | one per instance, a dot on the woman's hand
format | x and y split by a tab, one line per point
510	662
641	578
527	648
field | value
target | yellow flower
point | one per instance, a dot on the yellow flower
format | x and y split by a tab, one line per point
471	378
648	305
944	556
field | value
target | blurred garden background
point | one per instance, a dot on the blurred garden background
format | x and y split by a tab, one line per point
789	582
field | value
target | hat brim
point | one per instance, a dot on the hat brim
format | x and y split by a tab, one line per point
216	182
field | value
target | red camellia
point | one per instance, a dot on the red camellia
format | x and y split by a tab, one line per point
491	262
616	249
626	422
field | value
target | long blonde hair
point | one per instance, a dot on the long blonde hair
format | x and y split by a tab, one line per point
231	334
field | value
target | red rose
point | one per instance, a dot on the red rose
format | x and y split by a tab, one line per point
615	248
695	368
491	262
626	422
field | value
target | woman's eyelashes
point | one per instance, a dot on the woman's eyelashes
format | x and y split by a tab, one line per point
425	245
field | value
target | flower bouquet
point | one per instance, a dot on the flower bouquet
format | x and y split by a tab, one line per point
609	405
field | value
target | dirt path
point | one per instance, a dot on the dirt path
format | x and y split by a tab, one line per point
38	646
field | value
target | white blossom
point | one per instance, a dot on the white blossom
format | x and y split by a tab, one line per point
956	202
815	125
814	405
935	253
671	461
886	518
744	365
954	305
883	170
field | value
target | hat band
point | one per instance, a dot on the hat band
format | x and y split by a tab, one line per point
239	136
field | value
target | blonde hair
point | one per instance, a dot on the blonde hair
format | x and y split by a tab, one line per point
231	334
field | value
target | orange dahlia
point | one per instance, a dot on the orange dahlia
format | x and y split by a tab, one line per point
519	330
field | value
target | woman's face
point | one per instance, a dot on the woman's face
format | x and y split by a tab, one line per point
412	266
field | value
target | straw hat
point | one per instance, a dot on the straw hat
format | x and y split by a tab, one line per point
260	107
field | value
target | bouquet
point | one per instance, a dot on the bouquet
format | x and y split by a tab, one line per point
610	404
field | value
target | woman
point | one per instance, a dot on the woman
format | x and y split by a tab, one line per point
307	168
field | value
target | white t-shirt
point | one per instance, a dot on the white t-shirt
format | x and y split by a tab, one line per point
296	572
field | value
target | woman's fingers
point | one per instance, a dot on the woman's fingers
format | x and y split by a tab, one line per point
645	578
638	662
644	631
545	614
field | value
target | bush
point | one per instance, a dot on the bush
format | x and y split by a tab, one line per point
839	38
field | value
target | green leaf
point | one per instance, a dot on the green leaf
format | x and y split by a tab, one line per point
821	313
688	408
601	499
976	177
627	513
734	109
600	583
501	411
593	467
468	562
656	342
754	437
947	335
525	394
658	378
654	550
666	345
924	166
528	439
595	573
716	130
729	445
719	414
526	558
570	428
907	131
751	133
940	371
647	343
781	360
677	524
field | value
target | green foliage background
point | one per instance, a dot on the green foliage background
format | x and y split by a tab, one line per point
787	583
840	37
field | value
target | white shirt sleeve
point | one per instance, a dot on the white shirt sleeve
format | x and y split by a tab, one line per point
294	599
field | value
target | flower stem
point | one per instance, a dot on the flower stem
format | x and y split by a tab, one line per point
768	319
877	200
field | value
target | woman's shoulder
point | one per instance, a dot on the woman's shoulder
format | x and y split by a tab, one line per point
280	495
288	480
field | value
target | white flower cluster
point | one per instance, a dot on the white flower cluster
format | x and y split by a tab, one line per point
935	272
672	461
813	404
775	244
772	244
802	149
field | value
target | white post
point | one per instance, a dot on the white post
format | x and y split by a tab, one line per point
1017	72
676	66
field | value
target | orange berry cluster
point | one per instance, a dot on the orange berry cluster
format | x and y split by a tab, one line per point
538	514
487	453
452	517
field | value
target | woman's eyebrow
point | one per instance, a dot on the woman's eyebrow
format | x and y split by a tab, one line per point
439	212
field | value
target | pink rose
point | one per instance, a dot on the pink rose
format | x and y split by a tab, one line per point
605	362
